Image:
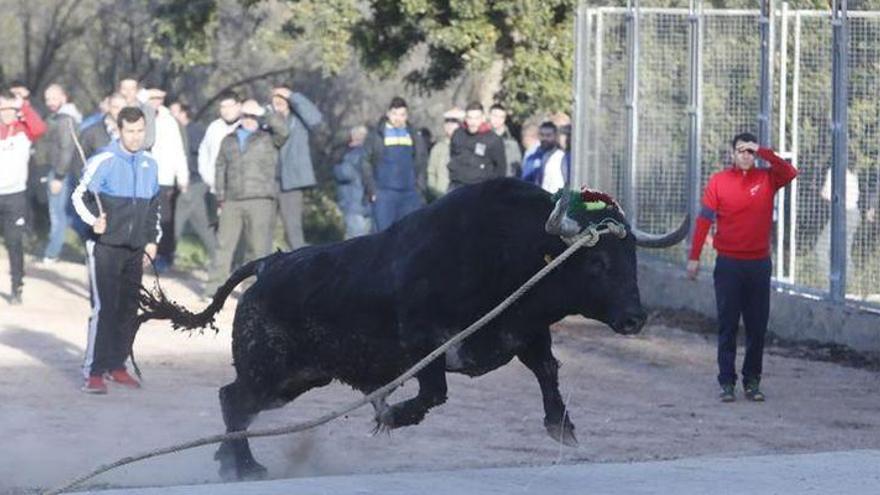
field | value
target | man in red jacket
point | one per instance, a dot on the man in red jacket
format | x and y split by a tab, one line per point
740	200
20	126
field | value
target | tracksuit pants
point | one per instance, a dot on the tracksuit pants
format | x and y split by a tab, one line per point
168	243
742	288
115	279
13	209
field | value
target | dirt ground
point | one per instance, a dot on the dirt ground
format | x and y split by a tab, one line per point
651	396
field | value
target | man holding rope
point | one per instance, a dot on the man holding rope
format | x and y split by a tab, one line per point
123	212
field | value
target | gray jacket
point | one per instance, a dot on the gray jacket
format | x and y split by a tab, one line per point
250	174
295	161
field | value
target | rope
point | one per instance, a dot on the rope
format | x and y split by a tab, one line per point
589	238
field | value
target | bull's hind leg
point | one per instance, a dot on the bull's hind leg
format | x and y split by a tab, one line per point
239	407
432	392
538	357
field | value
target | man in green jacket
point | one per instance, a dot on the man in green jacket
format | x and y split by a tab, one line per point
246	187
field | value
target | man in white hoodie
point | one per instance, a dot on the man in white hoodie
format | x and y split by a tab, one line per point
209	148
20	126
170	155
57	152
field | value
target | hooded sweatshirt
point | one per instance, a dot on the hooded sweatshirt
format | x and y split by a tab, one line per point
15	149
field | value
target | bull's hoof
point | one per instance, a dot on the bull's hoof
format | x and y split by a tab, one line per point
562	433
385	421
234	470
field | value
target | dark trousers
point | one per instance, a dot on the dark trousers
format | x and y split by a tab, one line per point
115	278
192	209
392	205
167	243
742	288
291	206
13	210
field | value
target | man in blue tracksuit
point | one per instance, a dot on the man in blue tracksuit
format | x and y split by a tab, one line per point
395	166
118	197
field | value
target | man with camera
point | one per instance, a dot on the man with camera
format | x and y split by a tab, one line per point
245	180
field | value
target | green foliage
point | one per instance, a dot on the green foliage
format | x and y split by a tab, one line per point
532	38
183	31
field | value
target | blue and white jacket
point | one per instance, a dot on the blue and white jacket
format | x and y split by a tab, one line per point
126	186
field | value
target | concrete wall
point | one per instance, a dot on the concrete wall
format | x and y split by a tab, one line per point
792	316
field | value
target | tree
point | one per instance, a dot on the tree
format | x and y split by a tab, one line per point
521	49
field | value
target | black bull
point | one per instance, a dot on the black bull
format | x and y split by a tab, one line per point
365	310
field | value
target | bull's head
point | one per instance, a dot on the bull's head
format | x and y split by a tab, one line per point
609	288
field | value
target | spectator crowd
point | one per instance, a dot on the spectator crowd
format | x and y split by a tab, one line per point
132	177
230	181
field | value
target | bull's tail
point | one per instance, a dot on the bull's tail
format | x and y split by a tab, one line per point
155	305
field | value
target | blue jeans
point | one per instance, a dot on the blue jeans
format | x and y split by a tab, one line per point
58	217
392	205
357	225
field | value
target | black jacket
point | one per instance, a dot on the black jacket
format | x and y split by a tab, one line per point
476	157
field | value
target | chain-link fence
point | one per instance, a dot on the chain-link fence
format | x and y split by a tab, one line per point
728	74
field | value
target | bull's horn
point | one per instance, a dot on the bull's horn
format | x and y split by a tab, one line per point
646	240
559	223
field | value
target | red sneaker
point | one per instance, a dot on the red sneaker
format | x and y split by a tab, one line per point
95	385
122	377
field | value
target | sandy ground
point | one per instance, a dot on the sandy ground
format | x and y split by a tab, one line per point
650	396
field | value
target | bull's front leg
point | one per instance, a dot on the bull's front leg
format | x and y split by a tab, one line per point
432	392
539	358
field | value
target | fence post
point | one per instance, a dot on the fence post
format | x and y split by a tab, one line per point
766	83
632	114
580	135
839	162
695	111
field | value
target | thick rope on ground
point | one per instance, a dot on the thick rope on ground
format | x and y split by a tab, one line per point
589	238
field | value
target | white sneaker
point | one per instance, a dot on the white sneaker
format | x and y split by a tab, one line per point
48	261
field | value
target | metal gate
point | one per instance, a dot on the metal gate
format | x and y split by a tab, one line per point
655	86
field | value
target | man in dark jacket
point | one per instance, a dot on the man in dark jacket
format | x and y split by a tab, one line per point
296	172
118	197
476	153
395	166
57	150
103	132
245	180
350	187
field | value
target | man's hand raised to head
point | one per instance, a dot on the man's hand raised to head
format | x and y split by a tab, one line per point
282	92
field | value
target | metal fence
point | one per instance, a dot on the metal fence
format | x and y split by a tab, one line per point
650	79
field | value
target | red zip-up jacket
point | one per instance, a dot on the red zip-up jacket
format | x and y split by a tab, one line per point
741	202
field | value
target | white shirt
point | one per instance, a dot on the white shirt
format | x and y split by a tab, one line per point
168	150
852	189
553	176
15	151
210	148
